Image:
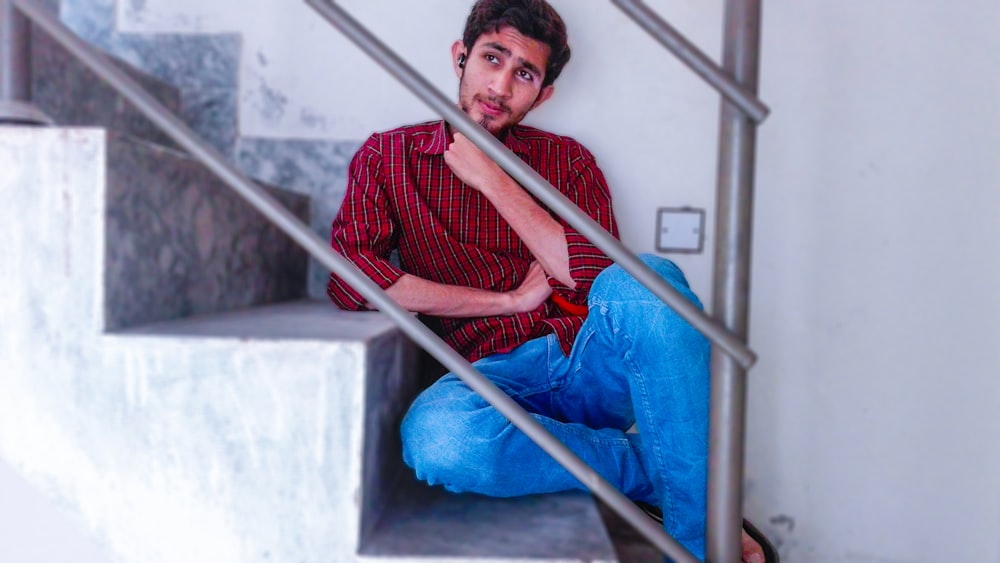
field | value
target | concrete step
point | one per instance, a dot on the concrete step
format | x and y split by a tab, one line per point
344	381
63	402
422	523
393	516
272	420
317	168
265	432
72	95
203	67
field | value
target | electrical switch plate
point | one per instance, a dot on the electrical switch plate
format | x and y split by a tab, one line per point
680	229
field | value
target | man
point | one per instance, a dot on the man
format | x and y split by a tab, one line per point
541	311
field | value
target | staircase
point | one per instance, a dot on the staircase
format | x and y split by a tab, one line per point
168	383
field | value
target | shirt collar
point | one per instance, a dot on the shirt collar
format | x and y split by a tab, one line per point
437	141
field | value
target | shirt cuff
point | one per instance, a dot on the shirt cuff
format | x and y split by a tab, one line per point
377	270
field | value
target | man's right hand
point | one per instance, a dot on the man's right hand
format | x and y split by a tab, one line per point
533	291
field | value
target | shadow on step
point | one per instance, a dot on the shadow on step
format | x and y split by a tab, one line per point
423	521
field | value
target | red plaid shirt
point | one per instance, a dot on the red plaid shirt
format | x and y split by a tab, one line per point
401	195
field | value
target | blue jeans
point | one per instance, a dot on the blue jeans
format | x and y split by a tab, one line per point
634	361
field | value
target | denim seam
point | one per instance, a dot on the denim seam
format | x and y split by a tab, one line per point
667	502
588	436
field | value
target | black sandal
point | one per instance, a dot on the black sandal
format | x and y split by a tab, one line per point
770	554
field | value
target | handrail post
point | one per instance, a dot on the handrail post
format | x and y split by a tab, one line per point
737	151
15	68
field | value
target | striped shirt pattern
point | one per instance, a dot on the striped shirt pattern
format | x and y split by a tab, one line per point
402	195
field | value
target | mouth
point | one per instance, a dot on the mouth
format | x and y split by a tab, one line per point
491	109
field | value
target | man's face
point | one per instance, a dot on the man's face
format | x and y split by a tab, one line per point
502	78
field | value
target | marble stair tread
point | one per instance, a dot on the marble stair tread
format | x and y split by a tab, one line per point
72	95
313	320
425	523
243	434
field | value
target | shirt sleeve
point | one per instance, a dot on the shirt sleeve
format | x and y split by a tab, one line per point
588	189
365	229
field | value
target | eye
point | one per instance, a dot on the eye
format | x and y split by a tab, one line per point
526	76
490	57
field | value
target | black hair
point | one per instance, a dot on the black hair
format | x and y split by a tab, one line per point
532	18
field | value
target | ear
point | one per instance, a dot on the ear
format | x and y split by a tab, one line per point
457	49
544	95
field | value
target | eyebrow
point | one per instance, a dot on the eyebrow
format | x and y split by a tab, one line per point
524	62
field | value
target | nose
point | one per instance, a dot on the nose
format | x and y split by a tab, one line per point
501	85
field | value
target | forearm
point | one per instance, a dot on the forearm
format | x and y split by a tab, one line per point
543	235
441	300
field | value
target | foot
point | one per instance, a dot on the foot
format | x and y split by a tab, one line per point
752	551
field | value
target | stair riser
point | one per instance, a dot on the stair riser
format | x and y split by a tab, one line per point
203	68
259	440
72	95
181	243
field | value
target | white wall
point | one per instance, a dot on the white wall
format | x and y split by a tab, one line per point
875	311
875	305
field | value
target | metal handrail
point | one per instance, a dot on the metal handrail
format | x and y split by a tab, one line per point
320	250
731	287
694	58
532	181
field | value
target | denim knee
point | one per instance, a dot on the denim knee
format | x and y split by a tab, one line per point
615	283
445	436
